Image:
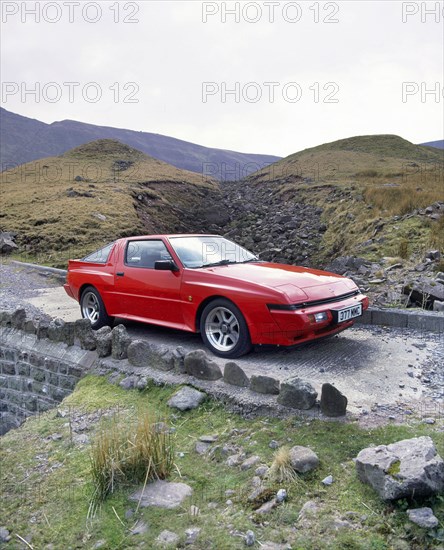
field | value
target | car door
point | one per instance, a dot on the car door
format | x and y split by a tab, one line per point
146	293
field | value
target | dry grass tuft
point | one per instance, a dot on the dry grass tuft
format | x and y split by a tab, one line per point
129	453
281	470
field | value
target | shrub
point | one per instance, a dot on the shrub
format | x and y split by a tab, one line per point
129	453
403	249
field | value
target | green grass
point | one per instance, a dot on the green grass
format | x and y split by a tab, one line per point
47	485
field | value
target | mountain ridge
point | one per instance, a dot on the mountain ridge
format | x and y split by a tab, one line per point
25	139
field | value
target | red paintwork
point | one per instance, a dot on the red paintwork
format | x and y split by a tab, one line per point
175	299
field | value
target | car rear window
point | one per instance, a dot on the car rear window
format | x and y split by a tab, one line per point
99	256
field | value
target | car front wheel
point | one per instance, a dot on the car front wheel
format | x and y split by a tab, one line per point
93	308
224	329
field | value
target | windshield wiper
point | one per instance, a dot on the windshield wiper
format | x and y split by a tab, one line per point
220	262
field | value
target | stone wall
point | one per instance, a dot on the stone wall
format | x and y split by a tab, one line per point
36	373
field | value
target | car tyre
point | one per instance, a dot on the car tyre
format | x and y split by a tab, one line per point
93	308
224	329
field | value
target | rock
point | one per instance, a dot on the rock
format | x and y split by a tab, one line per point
309	509
167	538
235	376
438	306
208	438
424	517
333	402
267	507
146	354
262	471
273	444
434	255
103	341
235	460
7	244
4	535
250	462
303	459
129	382
264	384
84	334
327	480
120	341
162	494
191	535
186	398
199	365
250	538
59	331
424	293
18	318
297	394
139	528
408	468
281	495
201	448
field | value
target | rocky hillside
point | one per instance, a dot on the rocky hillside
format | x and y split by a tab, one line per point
378	198
61	207
24	139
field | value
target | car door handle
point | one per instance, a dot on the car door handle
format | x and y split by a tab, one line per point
120	274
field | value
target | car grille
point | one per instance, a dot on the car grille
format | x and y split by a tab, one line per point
311	303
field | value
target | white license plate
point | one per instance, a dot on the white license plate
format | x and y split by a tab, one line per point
349	313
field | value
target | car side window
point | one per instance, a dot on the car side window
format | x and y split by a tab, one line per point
145	253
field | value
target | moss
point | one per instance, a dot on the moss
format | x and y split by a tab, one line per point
394	468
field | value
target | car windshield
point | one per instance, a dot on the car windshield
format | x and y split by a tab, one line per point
208	250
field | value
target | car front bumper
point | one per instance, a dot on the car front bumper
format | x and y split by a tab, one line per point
291	327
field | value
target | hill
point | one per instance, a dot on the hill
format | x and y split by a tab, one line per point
365	195
24	139
438	144
63	206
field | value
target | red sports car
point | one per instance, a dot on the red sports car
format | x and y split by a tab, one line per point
208	284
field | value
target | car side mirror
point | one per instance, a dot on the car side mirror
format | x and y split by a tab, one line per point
165	265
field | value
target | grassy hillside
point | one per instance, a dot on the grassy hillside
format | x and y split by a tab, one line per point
46	480
95	193
368	187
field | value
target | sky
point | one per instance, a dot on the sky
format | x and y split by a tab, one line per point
259	77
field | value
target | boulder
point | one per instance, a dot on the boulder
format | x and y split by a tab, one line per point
59	331
7	244
146	354
120	341
264	384
303	459
199	365
162	494
234	375
408	468
424	517
297	394
186	398
18	318
424	293
84	334
333	402
103	341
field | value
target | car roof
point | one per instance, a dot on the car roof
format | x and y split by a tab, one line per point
170	235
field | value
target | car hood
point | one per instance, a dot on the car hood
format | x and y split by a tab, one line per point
295	282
